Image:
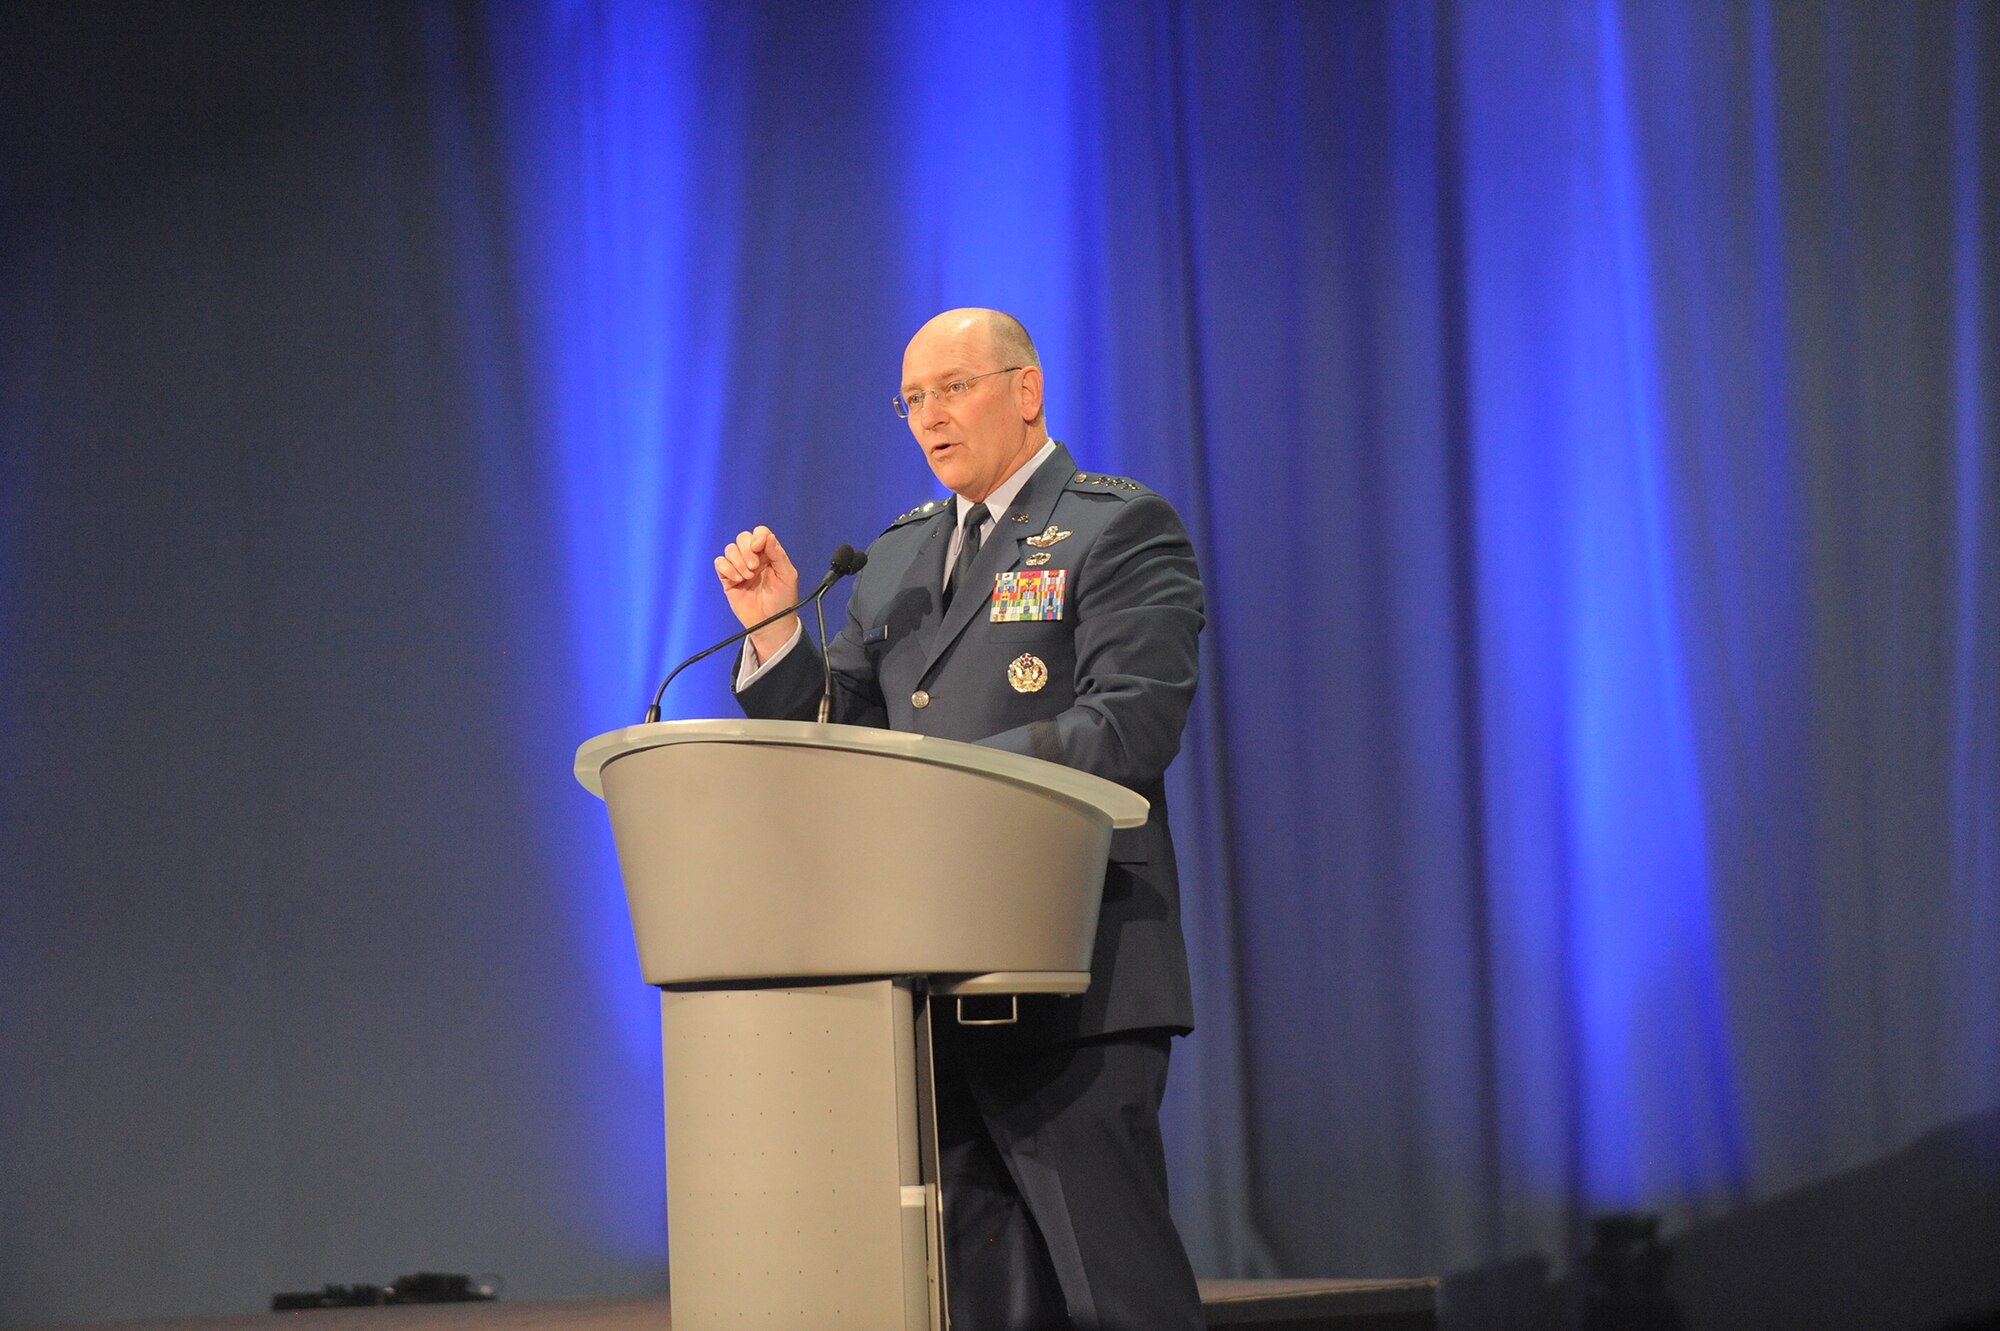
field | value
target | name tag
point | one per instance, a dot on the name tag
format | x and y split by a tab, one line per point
1029	594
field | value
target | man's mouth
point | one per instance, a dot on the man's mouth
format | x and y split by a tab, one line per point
938	450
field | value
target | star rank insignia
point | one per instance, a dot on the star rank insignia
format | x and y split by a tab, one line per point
920	511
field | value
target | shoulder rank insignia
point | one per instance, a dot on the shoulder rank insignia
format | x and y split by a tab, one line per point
1108	482
1024	596
920	511
1049	537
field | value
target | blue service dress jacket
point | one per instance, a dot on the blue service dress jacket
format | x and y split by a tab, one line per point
1099	679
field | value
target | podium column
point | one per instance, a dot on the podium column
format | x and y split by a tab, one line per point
794	1196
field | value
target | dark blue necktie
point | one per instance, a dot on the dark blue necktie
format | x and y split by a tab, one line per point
968	550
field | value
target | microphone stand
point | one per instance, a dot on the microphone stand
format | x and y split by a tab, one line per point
825	662
846	560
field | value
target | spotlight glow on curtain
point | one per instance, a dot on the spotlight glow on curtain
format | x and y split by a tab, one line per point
1535	398
620	183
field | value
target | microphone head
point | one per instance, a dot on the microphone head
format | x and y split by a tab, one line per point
847	560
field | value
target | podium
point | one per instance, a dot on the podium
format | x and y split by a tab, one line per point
809	898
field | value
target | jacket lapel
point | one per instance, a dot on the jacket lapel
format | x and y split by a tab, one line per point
926	571
1002	551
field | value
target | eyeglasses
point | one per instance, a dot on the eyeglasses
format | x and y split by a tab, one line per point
909	404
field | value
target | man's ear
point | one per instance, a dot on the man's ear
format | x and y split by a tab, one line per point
1030	392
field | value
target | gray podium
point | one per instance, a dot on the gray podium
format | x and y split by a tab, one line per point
808	897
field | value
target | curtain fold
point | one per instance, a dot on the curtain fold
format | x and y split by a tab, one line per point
1585	412
1586	779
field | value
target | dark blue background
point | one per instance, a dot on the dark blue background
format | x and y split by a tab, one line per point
1585	412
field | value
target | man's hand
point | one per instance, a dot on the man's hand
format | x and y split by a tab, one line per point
759	580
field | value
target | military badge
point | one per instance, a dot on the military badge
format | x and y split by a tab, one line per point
1019	597
1027	674
1037	559
1049	537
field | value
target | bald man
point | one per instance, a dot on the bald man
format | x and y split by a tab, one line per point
1054	613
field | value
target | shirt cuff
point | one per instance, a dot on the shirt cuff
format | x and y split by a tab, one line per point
749	670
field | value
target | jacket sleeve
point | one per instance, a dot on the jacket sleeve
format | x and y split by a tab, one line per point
1138	620
790	691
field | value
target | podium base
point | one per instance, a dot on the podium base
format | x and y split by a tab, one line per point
794	1192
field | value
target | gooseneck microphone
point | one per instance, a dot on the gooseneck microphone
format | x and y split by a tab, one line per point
845	560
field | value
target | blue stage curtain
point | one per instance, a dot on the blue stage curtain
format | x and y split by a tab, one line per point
1585	414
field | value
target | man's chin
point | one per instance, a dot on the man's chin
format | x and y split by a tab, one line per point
949	475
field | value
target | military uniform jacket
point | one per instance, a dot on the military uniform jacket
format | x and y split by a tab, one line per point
1120	661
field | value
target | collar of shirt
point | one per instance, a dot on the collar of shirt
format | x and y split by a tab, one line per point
996	503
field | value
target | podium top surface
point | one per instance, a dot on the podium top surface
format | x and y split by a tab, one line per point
1123	807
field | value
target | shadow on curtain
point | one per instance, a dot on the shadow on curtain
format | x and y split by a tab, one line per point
1585	416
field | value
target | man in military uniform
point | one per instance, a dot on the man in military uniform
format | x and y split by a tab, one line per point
1054	613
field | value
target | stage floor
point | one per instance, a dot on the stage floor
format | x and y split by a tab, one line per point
1296	1305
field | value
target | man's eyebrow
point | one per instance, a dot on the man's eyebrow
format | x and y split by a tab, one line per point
955	373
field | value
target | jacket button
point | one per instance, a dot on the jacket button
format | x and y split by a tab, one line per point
920	699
